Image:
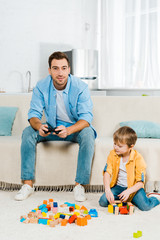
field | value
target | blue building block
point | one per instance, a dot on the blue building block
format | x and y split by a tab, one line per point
93	213
43	221
22	220
62	216
42	206
70	204
55	204
44	210
33	210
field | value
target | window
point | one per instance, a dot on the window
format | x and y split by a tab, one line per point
130	44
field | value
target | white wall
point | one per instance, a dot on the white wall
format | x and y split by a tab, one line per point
30	30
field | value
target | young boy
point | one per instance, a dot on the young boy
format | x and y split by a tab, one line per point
124	173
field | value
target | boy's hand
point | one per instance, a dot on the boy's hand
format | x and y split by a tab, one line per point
109	196
123	196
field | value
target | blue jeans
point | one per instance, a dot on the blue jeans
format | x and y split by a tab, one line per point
85	138
140	199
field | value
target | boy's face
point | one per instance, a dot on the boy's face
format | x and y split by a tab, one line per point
122	149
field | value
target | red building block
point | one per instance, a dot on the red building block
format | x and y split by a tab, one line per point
72	218
123	210
71	209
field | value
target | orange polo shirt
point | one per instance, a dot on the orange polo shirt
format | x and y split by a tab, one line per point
135	167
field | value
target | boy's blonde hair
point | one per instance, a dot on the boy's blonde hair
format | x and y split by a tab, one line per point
125	135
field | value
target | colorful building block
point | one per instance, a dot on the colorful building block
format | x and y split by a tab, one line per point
72	219
137	234
42	206
71	209
22	219
55	204
62	216
48	207
110	208
64	222
56	215
88	217
123	210
55	209
93	213
116	210
77	213
42	214
43	221
81	221
77	207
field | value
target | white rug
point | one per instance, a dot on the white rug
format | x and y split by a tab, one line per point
105	227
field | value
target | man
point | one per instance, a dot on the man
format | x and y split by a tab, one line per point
66	102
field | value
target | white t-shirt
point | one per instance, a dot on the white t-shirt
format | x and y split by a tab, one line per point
61	109
122	175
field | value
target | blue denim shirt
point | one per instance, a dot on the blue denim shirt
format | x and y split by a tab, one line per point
76	97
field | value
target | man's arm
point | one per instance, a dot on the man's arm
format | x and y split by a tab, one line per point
78	126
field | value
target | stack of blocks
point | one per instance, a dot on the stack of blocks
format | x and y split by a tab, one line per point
121	207
50	214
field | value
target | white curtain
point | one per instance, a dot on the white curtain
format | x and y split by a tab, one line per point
130	44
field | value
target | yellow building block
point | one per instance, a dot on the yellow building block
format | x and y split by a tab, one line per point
48	222
77	213
44	214
77	207
56	215
110	208
120	204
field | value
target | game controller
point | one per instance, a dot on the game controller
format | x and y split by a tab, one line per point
51	129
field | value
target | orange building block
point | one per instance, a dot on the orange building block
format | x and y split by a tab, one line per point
88	217
81	221
48	207
84	208
50	200
64	222
45	202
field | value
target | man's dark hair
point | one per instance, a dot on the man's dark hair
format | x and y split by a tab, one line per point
58	56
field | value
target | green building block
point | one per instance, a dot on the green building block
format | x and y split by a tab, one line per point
137	234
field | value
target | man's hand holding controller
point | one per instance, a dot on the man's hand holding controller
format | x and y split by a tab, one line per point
46	129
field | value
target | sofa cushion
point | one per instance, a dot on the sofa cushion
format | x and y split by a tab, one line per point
144	129
7	116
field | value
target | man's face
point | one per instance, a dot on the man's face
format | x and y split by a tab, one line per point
59	71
